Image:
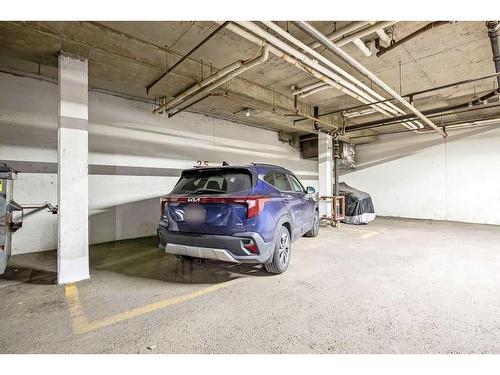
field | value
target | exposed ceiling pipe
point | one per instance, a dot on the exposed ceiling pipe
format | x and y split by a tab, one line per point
430	113
310	69
342	38
193	89
494	34
449	127
175	108
286	57
416	93
296	91
362	69
331	78
343	32
356	89
199	45
359	113
362	46
383	36
314	91
329	127
427	27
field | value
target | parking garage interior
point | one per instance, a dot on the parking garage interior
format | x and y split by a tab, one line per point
99	118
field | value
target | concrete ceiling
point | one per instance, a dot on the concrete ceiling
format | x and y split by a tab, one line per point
124	57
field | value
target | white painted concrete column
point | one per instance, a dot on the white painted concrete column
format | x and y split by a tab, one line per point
72	178
325	169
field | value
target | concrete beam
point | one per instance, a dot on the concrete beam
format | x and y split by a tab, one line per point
72	177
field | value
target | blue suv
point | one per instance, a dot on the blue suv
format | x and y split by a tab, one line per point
240	214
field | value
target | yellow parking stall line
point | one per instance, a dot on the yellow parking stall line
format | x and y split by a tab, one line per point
82	325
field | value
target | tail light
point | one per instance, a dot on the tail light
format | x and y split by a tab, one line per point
254	204
163	202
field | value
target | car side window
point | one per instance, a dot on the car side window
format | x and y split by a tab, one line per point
297	186
282	182
269	178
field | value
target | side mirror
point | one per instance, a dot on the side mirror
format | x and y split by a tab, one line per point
310	190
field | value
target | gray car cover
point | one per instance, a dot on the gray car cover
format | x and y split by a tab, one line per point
358	205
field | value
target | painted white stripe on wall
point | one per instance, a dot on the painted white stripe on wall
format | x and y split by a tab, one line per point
123	133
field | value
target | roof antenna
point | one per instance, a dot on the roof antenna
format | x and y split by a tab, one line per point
225	163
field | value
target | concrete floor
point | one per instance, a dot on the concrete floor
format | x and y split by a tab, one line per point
394	286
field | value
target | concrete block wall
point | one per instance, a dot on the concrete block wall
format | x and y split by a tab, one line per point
134	157
426	177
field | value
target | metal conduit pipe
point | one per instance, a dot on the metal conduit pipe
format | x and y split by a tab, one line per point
198	46
305	63
193	89
362	69
357	86
430	113
343	32
454	126
362	33
341	37
362	47
416	93
252	38
275	51
429	26
307	88
314	91
199	95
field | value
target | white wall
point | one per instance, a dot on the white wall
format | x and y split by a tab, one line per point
425	177
123	135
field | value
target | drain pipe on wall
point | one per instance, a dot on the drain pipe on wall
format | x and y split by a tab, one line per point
494	34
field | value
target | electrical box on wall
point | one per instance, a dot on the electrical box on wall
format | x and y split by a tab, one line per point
346	151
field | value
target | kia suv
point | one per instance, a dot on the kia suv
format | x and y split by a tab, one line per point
239	214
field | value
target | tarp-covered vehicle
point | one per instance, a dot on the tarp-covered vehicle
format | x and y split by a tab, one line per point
358	205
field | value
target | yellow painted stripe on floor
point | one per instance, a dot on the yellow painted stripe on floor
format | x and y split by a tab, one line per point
75	308
81	325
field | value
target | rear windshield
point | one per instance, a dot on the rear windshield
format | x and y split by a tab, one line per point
214	182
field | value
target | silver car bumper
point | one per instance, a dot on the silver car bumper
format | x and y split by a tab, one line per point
200	252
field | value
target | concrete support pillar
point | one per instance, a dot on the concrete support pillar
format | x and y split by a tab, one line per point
72	178
325	169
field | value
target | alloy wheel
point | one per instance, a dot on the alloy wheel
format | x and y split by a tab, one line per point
284	248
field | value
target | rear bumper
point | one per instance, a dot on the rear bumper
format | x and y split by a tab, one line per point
223	248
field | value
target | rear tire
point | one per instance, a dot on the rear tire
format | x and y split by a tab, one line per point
282	253
313	232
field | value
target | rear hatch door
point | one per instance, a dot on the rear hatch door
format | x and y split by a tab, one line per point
208	201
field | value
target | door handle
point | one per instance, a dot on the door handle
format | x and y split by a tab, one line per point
287	200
